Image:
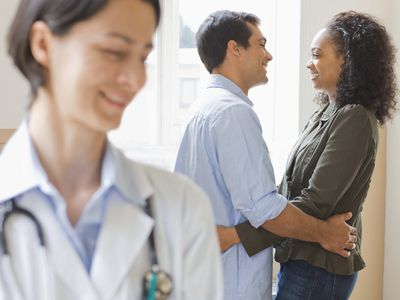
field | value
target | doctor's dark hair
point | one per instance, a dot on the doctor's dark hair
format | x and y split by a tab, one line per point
60	16
368	71
217	30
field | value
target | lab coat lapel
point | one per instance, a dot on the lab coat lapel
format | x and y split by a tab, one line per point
124	234
126	228
66	263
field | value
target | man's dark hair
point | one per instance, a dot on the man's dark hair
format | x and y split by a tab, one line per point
217	30
59	15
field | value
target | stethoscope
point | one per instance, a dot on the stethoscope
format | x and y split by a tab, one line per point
157	284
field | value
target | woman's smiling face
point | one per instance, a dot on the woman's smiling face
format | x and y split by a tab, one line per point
325	64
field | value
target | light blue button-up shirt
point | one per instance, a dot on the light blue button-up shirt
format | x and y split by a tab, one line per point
223	151
84	234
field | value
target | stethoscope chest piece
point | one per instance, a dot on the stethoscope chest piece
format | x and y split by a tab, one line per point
157	284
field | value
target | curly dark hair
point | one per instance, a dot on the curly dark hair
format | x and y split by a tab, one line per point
368	72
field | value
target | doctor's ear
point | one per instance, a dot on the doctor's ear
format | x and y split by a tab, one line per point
40	38
233	48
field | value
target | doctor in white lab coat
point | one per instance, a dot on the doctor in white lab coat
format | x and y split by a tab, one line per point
84	60
186	243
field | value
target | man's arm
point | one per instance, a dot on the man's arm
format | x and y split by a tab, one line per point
247	172
334	234
344	154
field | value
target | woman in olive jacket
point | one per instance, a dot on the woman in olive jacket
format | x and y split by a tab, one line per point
330	167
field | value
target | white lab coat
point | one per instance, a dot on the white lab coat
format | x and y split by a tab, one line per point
186	241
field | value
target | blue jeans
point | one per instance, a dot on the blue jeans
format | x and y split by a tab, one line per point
299	280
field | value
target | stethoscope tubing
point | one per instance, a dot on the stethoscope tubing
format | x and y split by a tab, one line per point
13	288
15	209
10	281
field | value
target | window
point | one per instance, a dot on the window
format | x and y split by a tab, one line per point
152	124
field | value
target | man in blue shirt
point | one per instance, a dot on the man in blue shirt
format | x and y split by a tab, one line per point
224	152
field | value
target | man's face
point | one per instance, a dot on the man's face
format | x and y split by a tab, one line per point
254	59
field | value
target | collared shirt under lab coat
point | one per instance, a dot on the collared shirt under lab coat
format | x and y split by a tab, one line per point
185	235
83	235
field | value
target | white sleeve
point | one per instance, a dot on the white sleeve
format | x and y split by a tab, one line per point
24	272
202	270
8	285
3	280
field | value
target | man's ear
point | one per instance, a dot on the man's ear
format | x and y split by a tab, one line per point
233	48
40	39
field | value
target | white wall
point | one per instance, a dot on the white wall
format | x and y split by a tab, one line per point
392	230
14	90
286	77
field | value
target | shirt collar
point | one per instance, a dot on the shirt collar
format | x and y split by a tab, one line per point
20	170
220	81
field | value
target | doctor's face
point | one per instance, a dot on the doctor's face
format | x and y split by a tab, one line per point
96	68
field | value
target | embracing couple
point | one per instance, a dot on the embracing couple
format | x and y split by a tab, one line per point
313	218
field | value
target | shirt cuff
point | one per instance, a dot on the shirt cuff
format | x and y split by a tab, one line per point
266	208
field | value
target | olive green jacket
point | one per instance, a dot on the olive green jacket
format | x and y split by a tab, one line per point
328	172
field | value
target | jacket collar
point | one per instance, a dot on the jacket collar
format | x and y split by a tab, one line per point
131	179
18	170
328	111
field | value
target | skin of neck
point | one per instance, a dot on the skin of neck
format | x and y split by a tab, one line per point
231	70
70	153
331	96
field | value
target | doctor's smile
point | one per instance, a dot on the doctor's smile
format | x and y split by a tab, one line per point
120	102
